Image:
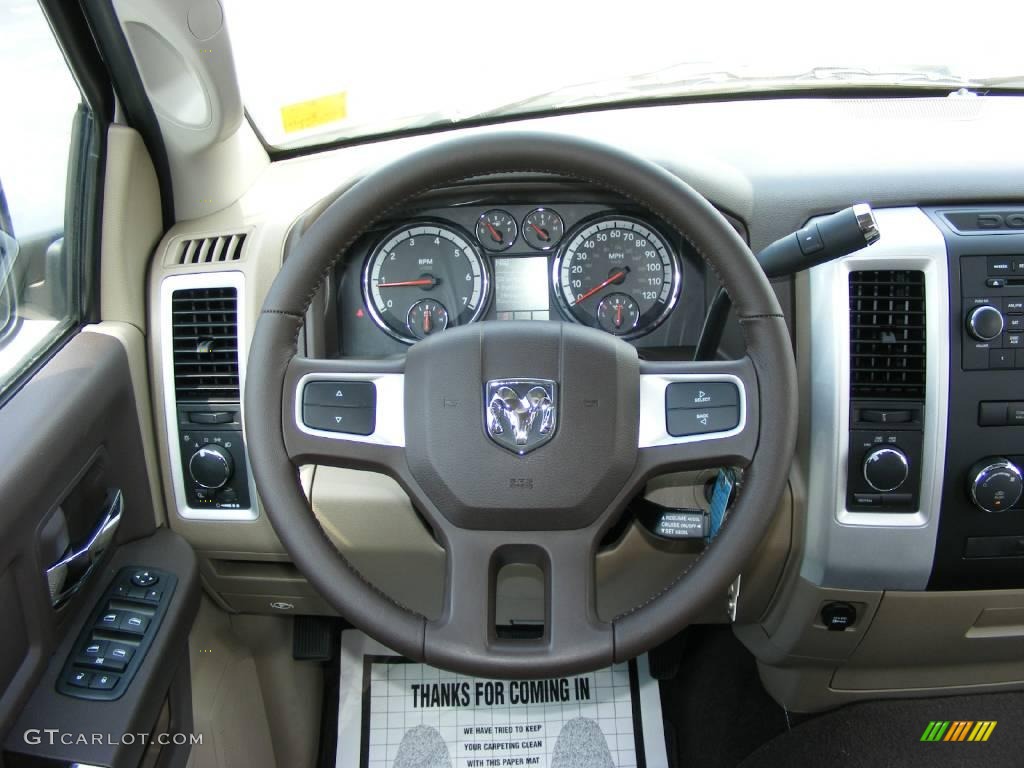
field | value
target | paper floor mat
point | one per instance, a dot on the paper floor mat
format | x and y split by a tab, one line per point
394	713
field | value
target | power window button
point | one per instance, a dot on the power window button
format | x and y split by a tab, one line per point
109	620
135	623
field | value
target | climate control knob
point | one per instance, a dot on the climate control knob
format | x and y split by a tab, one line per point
886	469
995	484
211	466
985	323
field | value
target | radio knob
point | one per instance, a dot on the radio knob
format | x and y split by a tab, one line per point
995	484
886	469
985	323
211	466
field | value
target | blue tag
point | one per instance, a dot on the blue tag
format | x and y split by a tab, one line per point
720	500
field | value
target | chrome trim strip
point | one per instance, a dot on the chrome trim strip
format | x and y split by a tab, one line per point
389	428
653	430
226	279
872	550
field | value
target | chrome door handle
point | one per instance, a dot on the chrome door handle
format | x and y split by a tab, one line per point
69	573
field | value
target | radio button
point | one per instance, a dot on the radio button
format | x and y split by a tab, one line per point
993	414
1015	414
1000	266
1001	358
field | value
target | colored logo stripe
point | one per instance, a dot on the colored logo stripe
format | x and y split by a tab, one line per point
935	731
982	730
958	730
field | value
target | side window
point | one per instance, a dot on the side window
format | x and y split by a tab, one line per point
39	279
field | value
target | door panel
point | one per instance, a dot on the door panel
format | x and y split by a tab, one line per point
70	436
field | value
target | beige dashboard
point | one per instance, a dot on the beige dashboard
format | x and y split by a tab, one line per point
956	641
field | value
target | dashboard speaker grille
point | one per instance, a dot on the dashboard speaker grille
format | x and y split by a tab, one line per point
887	334
205	338
210	250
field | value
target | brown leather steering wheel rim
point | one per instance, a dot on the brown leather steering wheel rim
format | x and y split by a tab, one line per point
272	446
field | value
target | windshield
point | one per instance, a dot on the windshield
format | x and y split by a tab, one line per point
313	72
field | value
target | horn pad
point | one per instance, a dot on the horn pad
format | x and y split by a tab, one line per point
472	393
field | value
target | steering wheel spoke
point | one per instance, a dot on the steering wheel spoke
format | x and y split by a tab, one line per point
695	415
343	412
475	558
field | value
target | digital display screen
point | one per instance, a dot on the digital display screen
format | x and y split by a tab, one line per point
521	288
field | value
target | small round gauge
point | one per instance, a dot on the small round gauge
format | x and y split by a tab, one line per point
618	313
543	229
617	273
427	316
496	230
424	266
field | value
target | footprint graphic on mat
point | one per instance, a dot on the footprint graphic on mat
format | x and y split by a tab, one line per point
422	747
581	744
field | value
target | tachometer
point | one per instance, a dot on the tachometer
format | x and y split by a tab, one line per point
618	274
423	278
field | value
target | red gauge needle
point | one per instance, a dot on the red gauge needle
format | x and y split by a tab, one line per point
426	321
614	278
542	234
494	233
618	315
426	281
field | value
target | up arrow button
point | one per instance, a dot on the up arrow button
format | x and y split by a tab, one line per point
348	394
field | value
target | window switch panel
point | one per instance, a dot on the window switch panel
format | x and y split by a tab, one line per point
118	633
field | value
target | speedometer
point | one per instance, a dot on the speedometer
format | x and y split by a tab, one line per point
423	278
618	274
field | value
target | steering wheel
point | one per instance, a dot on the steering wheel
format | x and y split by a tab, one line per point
489	506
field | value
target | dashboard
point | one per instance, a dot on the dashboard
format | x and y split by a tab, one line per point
543	253
905	507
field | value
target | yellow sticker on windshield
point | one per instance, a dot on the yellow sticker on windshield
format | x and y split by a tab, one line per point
304	115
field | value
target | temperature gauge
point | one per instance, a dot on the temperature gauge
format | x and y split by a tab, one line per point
543	229
496	230
618	313
426	317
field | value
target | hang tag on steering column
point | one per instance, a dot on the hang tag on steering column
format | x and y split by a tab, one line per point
721	497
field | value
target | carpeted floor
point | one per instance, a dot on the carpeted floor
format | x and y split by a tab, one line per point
716	712
718	715
888	733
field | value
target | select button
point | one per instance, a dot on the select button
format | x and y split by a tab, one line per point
709	394
351	421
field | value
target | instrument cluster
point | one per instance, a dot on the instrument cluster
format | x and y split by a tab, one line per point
604	266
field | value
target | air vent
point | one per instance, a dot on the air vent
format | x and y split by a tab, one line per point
210	250
887	334
205	334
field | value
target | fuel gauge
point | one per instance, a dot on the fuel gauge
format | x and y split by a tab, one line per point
496	230
618	313
427	316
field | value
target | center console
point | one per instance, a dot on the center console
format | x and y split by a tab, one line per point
981	533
